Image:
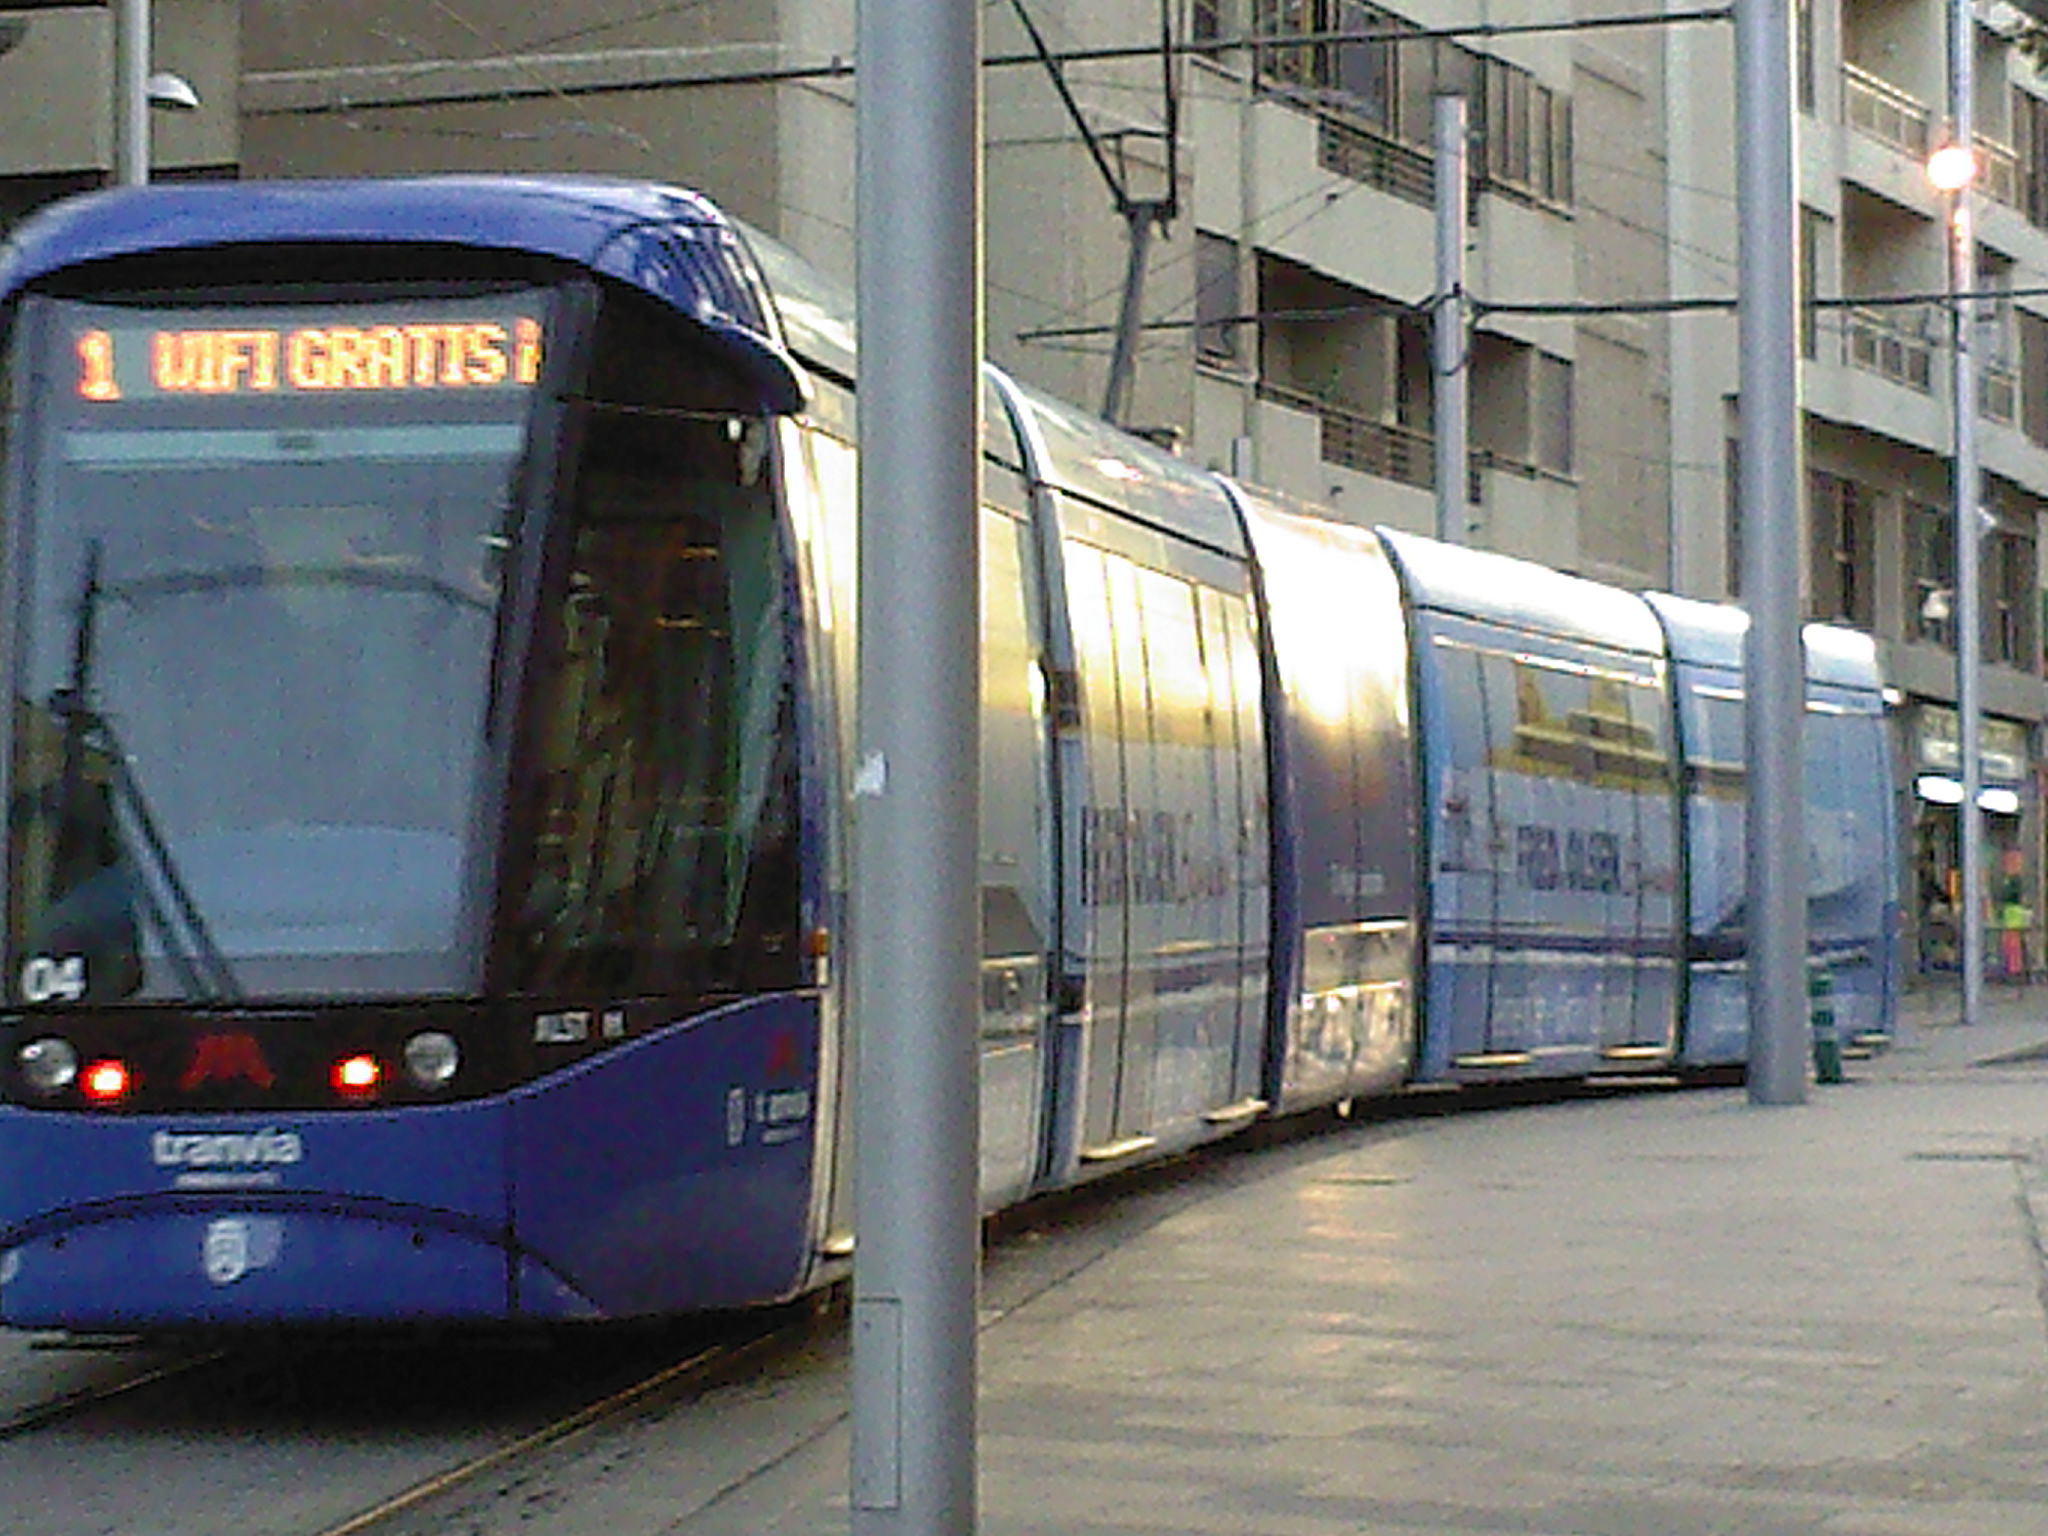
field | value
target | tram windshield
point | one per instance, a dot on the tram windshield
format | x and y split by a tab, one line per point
258	559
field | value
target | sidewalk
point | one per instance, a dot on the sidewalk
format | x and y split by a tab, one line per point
1650	1314
2013	1021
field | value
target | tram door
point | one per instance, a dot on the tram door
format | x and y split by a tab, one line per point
1098	925
1168	892
1465	845
1015	852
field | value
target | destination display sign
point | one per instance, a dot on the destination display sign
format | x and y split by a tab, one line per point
351	352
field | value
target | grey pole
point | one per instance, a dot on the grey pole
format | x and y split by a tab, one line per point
1962	281
1139	217
131	93
1768	492
1449	340
915	992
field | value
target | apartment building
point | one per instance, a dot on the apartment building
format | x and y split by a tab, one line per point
1274	157
57	99
1870	84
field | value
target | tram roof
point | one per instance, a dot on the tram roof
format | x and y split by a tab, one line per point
1711	634
671	244
1481	584
1701	634
1084	456
1837	654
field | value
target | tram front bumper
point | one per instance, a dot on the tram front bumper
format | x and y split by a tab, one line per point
261	1263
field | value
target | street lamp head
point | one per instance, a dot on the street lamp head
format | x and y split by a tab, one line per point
172	93
1952	167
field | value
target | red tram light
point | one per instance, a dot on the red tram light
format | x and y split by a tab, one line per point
106	1081
358	1076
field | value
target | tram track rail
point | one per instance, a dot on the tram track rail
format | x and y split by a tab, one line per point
65	1407
677	1381
371	1433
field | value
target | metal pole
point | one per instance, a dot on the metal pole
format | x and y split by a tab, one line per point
1449	339
131	93
915	991
1139	217
1962	280
1768	488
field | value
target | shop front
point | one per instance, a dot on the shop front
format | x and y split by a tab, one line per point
2007	797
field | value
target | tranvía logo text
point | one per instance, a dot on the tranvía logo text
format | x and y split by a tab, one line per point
218	1149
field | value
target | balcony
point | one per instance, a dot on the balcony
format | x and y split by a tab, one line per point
1875	341
1357	442
1361	154
1880	109
2001	178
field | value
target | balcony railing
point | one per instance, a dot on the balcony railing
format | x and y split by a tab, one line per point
1874	340
1885	112
1880	109
2001	182
1357	442
1377	160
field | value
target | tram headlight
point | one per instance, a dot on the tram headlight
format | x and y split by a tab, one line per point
431	1059
48	1065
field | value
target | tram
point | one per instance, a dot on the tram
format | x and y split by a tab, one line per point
432	671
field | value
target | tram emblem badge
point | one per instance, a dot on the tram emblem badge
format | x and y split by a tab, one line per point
235	1245
227	1250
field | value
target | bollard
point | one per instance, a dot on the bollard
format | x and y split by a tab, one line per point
1827	1044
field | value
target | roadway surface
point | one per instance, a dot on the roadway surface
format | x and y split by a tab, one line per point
1648	1314
1665	1314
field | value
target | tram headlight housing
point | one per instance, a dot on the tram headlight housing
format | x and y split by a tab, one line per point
431	1059
49	1065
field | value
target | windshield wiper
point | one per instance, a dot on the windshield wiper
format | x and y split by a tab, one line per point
165	898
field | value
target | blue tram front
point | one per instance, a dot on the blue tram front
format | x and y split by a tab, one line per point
402	767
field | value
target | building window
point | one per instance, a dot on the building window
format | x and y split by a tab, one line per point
1277	23
1205	20
1425	71
1346	62
1561	149
1519	115
2030	130
1216	305
1366	73
1731	470
2033	401
1803	54
2009	586
1840	511
1930	574
1345	67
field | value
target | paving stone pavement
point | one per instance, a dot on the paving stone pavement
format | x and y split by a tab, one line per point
1648	1314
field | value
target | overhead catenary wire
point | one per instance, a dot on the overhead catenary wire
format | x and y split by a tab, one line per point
1561	309
538	82
842	67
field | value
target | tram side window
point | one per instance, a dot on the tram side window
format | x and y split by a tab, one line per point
663	856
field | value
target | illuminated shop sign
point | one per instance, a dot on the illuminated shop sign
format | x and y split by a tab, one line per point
427	356
2001	745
